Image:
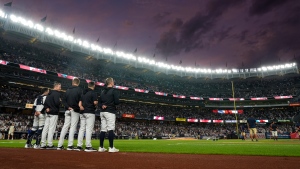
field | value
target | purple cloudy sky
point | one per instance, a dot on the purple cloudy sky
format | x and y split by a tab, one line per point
208	32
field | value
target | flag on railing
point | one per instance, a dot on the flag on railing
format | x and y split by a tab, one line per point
44	19
9	4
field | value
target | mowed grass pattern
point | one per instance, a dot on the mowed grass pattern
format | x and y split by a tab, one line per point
226	147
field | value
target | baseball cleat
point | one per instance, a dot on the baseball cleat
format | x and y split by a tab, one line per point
113	150
70	148
36	146
78	148
60	148
28	146
43	147
90	149
51	148
102	149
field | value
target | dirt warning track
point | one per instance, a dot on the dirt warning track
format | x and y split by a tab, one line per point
54	159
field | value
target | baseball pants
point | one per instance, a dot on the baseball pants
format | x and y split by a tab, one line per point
38	122
74	122
65	128
49	128
37	128
107	121
274	133
87	121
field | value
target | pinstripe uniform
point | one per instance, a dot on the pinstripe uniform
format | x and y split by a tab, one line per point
88	101
70	101
38	121
52	104
108	100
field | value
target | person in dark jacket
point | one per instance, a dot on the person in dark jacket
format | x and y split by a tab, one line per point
51	106
87	104
108	100
70	102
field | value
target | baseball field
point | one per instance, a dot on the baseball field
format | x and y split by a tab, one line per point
165	153
264	147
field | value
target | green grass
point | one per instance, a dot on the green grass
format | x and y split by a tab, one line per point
226	147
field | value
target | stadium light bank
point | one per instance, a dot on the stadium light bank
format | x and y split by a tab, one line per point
120	54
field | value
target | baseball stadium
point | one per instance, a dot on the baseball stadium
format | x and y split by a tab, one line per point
161	115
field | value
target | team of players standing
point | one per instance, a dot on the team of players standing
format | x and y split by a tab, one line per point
79	105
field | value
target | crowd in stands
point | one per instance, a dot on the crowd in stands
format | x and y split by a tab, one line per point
98	70
17	95
153	128
172	112
21	123
185	130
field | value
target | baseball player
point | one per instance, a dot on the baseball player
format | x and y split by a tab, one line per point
242	130
38	121
108	100
51	106
70	102
87	104
273	128
11	131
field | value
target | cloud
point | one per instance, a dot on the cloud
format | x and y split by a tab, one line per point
243	35
221	35
168	44
160	19
188	35
176	24
143	2
260	7
292	18
275	39
127	23
161	16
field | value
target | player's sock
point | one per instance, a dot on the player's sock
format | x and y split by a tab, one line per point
30	136
102	136
111	138
38	136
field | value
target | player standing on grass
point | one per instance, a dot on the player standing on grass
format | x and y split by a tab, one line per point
11	131
242	130
38	121
273	128
108	100
87	104
251	123
70	101
51	105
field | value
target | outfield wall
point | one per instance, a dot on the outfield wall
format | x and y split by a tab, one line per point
294	136
259	135
280	136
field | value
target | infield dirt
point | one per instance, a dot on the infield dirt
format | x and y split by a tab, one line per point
30	158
